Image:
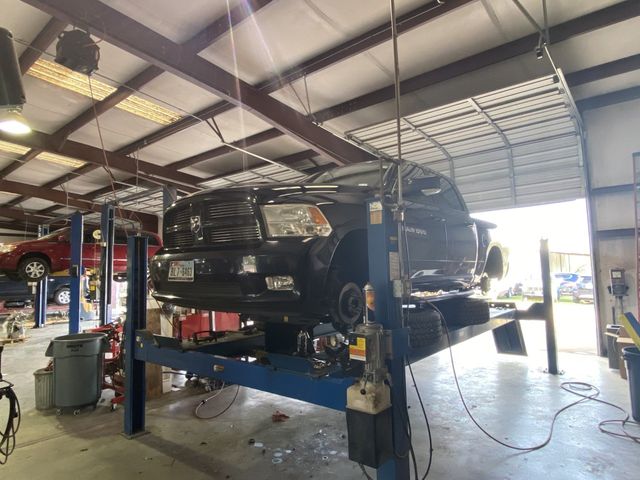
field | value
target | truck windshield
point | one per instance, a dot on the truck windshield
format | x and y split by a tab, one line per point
361	175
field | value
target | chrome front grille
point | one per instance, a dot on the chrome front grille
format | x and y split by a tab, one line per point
221	223
223	210
237	233
178	239
178	217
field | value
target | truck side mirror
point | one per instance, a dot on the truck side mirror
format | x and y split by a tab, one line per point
427	186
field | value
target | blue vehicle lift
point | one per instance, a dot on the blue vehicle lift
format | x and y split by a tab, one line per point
107	231
327	389
75	272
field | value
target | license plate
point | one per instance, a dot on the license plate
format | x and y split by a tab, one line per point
181	271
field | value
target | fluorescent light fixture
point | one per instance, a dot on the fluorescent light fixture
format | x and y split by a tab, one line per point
12	121
46	156
13	148
60	160
63	77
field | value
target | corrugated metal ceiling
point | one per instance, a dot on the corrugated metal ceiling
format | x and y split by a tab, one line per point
516	146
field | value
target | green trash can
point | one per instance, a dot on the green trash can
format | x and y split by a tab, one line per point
77	369
632	358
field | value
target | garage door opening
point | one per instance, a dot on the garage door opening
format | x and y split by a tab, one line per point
565	226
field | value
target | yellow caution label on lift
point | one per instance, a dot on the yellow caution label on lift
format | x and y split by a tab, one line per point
359	350
375	213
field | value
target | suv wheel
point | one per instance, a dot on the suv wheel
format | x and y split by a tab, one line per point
33	269
62	296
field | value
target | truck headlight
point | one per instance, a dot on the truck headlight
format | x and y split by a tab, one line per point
295	220
7	248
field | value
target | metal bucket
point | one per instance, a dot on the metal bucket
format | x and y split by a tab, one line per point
44	389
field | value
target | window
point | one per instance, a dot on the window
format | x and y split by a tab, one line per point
53	236
362	175
449	197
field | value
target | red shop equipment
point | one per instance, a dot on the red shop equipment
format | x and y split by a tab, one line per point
113	362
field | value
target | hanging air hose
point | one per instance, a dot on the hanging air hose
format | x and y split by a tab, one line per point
8	433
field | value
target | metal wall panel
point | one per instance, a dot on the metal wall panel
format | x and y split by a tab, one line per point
518	146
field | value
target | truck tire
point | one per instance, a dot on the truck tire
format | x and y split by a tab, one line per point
425	328
465	311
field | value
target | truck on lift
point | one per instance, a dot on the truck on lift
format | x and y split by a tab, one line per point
297	253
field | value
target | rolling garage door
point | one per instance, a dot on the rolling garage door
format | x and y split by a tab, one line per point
518	146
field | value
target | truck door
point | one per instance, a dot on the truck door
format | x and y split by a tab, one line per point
426	236
462	237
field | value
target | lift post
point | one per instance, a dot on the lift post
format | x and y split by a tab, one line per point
75	272
384	268
40	307
107	232
135	380
547	295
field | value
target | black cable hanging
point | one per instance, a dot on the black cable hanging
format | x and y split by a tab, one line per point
8	433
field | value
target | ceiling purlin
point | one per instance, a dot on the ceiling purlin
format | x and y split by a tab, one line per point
49	33
363	42
143	42
578	26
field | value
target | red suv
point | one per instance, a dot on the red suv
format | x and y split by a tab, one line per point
34	259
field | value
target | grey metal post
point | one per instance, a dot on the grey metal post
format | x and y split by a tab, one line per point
547	295
40	307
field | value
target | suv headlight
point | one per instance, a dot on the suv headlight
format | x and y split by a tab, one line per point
7	248
295	220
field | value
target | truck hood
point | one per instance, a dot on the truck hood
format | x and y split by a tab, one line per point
291	192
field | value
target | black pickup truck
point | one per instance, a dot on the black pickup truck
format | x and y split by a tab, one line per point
298	252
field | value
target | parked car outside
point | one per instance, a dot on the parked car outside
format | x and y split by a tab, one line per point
58	290
32	260
564	283
510	290
298	252
561	284
583	291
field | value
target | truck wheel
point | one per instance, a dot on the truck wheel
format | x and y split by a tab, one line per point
346	301
425	328
62	296
465	311
33	269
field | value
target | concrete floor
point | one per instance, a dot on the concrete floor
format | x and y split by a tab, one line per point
511	396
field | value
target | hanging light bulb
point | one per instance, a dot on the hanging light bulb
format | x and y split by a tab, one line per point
12	96
12	121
